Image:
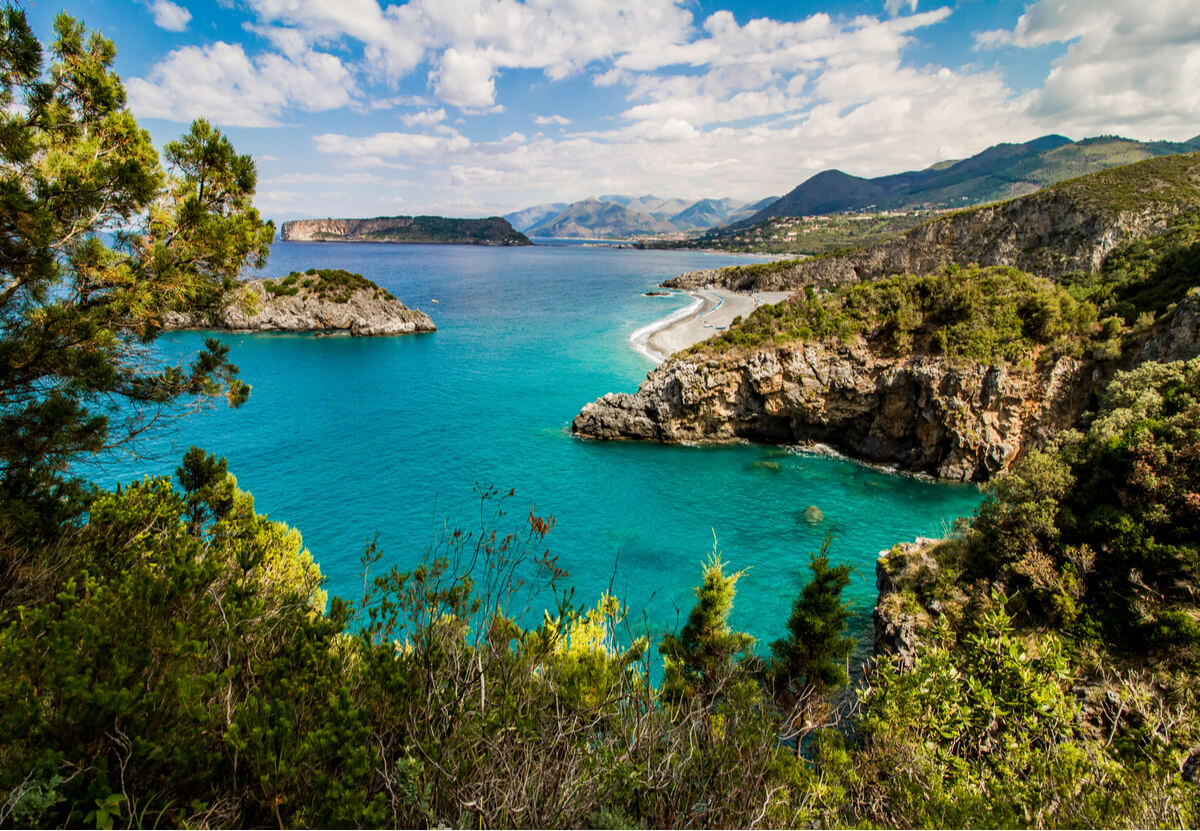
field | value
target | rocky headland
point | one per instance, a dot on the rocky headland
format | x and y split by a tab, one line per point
315	301
405	229
953	417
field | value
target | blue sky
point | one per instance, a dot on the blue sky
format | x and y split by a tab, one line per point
479	107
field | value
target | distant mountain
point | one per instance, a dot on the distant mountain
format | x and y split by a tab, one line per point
750	208
1003	171
526	219
705	214
616	215
594	218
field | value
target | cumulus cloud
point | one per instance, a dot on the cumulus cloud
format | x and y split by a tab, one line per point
222	83
718	106
1130	66
425	118
170	16
464	79
383	146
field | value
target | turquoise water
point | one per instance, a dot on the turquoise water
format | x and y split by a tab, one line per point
349	438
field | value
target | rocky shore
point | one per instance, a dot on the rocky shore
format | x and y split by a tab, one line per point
253	307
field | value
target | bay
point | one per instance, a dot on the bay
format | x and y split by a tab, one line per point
391	439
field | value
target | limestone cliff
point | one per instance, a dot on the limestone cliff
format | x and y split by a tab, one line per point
411	229
963	423
253	307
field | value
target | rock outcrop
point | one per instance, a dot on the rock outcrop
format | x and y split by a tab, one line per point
253	308
903	573
405	229
957	422
1179	340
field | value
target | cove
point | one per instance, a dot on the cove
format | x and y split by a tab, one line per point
351	439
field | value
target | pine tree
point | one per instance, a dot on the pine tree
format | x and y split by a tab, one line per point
97	241
702	658
812	657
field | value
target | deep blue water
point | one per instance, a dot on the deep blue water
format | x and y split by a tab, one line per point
349	438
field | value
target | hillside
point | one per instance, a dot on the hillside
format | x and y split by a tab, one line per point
405	229
1068	227
1002	171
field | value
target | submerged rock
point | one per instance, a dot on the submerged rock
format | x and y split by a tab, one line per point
814	515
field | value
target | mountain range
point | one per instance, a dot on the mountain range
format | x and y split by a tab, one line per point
1003	171
616	215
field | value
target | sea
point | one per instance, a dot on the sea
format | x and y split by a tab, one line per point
394	442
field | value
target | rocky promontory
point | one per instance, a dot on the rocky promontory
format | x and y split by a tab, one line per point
948	371
405	229
920	413
314	301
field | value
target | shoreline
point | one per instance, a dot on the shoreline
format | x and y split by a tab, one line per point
712	310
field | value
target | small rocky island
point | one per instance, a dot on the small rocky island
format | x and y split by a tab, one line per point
439	230
321	300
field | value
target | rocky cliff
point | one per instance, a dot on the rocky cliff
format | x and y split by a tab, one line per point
1070	227
253	307
411	229
963	423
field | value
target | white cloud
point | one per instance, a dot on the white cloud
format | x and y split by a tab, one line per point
222	83
170	16
425	118
464	79
894	7
543	120
380	146
325	178
1130	66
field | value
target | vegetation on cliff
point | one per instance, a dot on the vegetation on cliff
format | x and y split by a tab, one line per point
333	284
980	314
1075	591
802	235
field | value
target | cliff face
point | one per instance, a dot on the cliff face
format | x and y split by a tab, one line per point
251	308
1047	234
963	423
411	229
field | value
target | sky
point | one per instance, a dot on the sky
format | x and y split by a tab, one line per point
481	107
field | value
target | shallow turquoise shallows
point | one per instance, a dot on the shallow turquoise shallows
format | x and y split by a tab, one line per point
348	438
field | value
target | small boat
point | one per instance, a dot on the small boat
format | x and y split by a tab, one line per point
434	300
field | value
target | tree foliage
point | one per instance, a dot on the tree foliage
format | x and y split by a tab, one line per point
96	240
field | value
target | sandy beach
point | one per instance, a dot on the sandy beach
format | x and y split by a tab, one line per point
711	311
